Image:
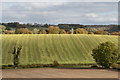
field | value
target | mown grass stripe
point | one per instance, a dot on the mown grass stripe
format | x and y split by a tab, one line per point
45	48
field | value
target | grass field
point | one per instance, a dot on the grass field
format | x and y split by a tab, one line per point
46	48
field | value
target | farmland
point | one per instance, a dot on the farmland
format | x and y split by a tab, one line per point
46	48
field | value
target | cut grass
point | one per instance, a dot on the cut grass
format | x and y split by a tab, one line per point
46	48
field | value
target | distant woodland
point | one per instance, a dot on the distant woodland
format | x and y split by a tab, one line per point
17	28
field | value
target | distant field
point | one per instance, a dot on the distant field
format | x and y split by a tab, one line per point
45	48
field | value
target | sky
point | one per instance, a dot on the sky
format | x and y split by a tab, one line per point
60	12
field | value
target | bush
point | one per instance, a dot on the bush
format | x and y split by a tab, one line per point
115	33
116	66
23	31
9	32
80	31
43	32
35	31
62	31
101	32
106	54
90	33
94	66
53	30
55	63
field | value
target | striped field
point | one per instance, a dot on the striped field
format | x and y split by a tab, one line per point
46	48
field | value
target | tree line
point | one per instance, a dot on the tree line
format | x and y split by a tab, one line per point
17	28
56	30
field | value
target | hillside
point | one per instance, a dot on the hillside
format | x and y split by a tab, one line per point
45	48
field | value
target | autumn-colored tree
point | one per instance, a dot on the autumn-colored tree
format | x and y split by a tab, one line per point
62	31
90	33
80	31
68	32
35	31
9	32
101	32
43	32
115	33
23	31
53	30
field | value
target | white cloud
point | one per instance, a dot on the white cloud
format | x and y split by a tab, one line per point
93	15
60	0
46	4
61	12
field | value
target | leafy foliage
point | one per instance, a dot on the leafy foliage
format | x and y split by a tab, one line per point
23	31
81	31
16	52
2	27
115	33
62	31
106	54
53	30
55	63
35	31
43	32
101	32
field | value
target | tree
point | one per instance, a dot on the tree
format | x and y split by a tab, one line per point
62	31
2	28
101	32
35	31
115	33
9	32
106	54
53	30
90	33
80	31
23	31
43	32
16	52
68	32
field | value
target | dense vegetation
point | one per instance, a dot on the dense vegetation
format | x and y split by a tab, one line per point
45	49
17	28
106	54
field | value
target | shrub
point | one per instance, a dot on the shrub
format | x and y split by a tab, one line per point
9	32
53	30
90	33
80	31
62	31
35	31
106	54
43	32
115	33
94	66
55	63
101	32
23	31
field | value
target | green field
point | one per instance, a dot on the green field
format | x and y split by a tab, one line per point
45	48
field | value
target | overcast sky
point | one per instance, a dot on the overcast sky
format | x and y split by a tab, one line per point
61	12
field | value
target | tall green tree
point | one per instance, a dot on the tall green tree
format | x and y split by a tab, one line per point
106	54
